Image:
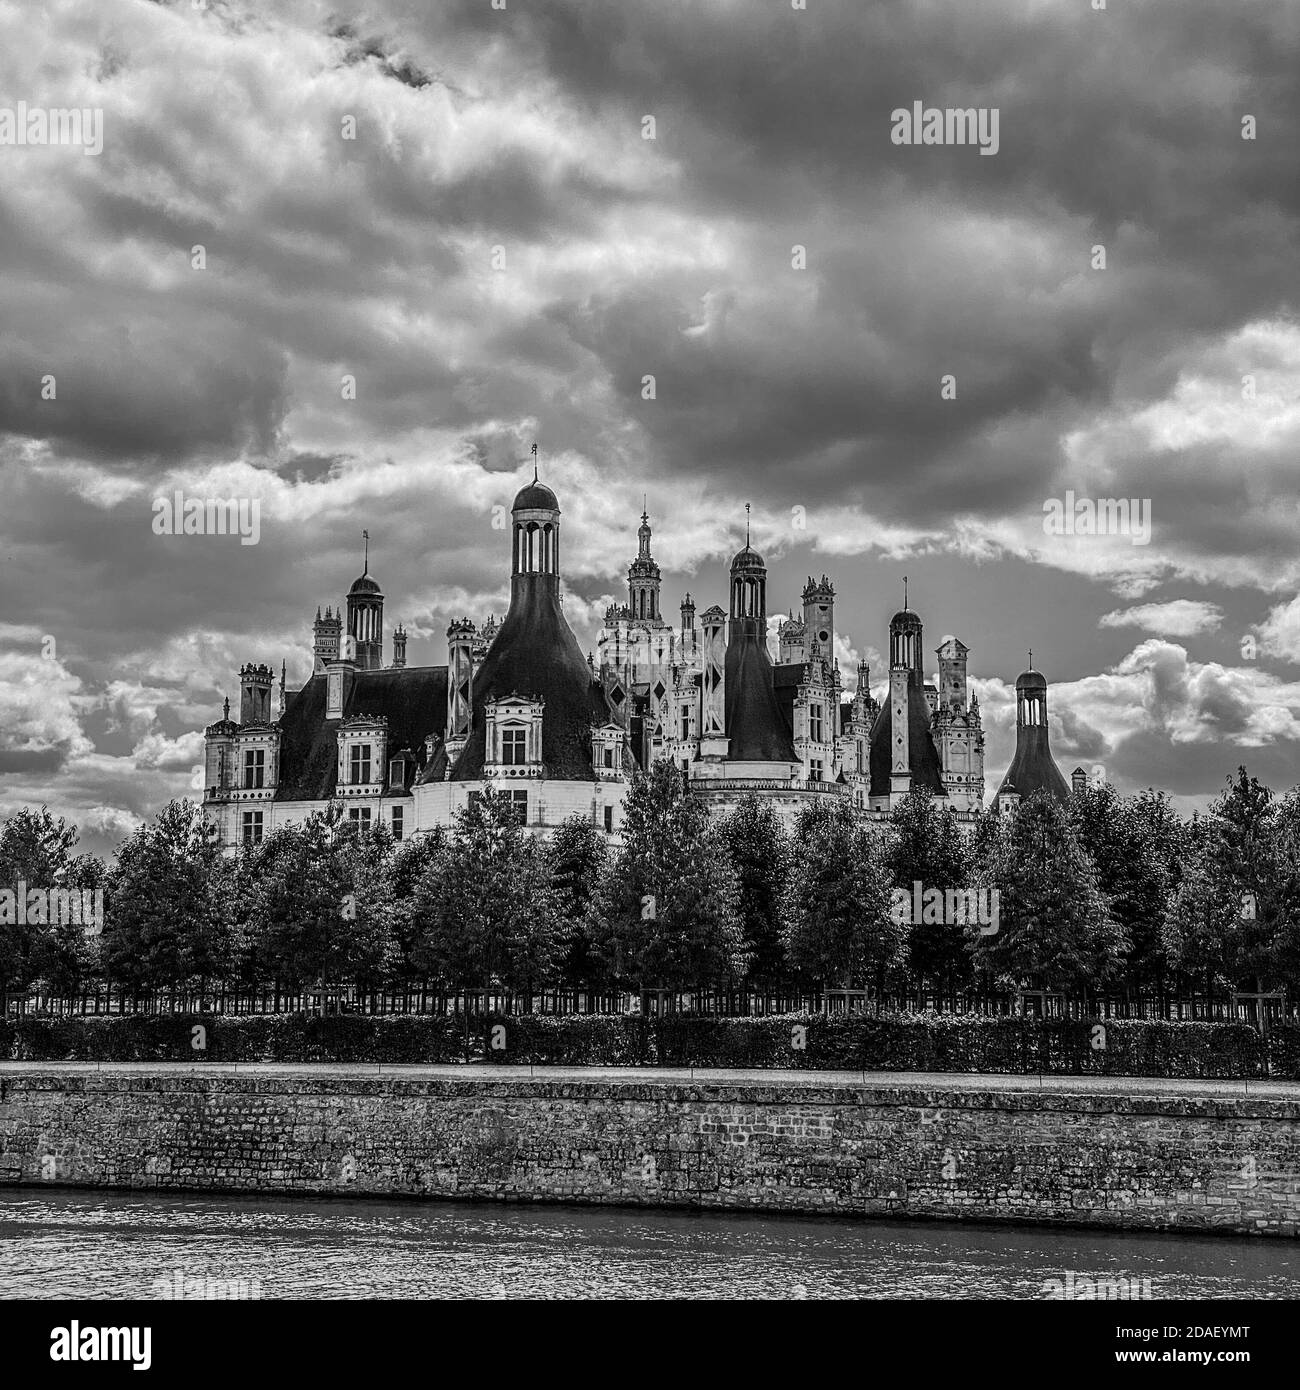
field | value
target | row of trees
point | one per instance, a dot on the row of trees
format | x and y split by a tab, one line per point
1108	893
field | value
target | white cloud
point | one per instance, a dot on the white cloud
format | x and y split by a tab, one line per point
1180	617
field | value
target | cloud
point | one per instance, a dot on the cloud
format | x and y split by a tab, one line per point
499	257
1175	618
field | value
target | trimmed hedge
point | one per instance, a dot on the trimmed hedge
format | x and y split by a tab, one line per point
228	1038
849	1042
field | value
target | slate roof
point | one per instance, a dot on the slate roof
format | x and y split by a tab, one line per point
757	729
535	496
922	755
413	699
536	653
1033	768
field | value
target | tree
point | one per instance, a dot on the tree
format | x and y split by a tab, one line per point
67	954
839	928
488	909
578	854
666	912
1055	929
759	852
319	902
926	846
416	860
1120	837
35	852
1227	923
169	919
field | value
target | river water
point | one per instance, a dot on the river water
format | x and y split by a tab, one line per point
66	1244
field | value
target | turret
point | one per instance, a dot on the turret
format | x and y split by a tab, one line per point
327	633
255	694
366	619
399	646
819	617
643	577
1032	769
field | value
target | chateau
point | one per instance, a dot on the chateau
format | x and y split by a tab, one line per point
518	707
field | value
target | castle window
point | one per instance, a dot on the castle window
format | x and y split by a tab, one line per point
359	764
686	723
815	770
252	828
862	756
518	803
609	818
609	756
360	815
815	723
397	822
514	745
254	767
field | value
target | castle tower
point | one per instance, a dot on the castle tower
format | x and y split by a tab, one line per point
756	729
952	676
534	679
255	694
1033	768
819	618
958	731
327	633
365	619
688	617
399	646
903	754
643	577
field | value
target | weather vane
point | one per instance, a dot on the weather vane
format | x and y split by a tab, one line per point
905	593
534	462
365	535
746	525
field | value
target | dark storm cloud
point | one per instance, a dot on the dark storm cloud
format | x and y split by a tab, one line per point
520	132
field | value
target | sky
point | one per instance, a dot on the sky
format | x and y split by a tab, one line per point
677	245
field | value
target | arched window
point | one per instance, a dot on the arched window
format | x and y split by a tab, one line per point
532	547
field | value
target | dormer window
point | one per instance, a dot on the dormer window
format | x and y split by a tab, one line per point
514	734
607	750
363	755
254	767
815	723
514	744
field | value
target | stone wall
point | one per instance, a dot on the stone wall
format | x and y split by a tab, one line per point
1190	1162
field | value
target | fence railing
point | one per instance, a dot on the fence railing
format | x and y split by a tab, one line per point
428	999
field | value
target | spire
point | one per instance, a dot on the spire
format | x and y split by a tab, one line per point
225	708
746	525
365	569
1031	658
904	593
534	461
284	671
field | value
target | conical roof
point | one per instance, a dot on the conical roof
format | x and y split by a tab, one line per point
922	756
1033	769
536	653
756	729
